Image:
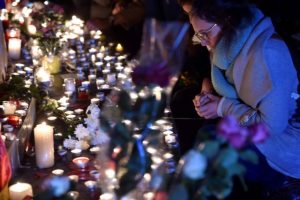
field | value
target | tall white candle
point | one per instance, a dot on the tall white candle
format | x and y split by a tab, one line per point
19	191
14	48
44	145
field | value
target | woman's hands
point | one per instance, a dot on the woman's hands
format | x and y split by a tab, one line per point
206	104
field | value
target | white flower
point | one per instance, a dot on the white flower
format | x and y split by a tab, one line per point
82	133
82	144
92	124
59	185
99	138
194	165
70	143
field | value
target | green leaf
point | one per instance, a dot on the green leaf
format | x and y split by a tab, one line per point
179	191
236	169
211	148
228	157
250	156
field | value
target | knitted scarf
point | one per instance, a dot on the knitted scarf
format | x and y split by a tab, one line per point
224	57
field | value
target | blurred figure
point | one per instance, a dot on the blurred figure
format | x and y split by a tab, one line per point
120	20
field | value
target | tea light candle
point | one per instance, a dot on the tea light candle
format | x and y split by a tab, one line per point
78	111
95	100
51	118
19	191
81	162
71	117
9	107
94	150
44	145
19	66
69	112
110	173
58	172
85	84
74	178
91	185
106	196
76	152
92	78
14	48
170	139
62	108
119	48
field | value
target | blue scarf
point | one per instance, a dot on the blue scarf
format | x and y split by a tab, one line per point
224	56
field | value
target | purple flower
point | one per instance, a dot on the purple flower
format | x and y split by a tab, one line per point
239	136
258	133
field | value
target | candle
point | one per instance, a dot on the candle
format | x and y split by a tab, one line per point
107	196
22	113
14	120
9	107
78	111
74	178
14	48
92	78
70	84
95	150
90	184
81	162
19	191
58	172
170	139
95	100
76	152
119	48
42	75
43	137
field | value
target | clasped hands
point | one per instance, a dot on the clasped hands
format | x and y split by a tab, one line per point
206	103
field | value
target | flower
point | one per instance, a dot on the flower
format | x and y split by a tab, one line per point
258	133
82	144
70	143
82	133
194	165
100	137
239	136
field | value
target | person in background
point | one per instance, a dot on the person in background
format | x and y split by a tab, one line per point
120	20
255	80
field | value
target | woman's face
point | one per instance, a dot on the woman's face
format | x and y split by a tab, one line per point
206	33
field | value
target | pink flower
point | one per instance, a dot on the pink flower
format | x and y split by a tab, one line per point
239	136
258	133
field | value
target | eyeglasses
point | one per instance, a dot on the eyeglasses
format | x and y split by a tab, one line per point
202	35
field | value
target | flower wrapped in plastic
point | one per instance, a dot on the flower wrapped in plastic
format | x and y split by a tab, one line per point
130	114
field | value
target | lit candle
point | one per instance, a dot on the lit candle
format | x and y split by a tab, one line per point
70	84
119	48
42	75
92	78
9	107
58	172
14	48
81	162
76	152
44	145
95	100
91	185
19	191
107	196
14	120
74	178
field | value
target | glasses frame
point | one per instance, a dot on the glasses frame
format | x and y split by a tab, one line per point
204	34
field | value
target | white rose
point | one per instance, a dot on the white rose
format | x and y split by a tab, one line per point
194	165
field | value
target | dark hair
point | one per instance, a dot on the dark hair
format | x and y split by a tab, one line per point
231	15
181	2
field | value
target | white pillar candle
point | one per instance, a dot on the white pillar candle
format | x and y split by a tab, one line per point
19	191
14	48
44	145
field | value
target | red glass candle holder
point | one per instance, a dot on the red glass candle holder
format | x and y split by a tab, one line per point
14	120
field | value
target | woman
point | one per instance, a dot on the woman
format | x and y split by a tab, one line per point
252	73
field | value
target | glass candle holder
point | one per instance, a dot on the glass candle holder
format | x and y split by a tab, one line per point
81	162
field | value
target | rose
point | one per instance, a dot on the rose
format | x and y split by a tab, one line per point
258	133
194	165
239	136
